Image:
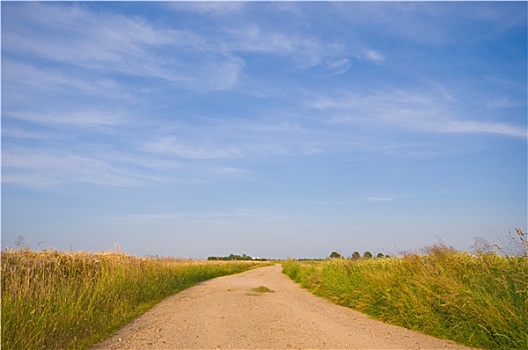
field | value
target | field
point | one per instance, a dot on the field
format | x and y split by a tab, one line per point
479	300
73	300
59	300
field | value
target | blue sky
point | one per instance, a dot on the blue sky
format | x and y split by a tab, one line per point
272	129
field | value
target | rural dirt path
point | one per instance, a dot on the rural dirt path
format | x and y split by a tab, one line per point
226	313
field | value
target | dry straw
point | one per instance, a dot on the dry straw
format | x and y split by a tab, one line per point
67	300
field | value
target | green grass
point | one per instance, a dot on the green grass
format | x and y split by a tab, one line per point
55	300
262	289
480	301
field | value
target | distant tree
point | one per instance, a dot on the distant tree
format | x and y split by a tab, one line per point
233	257
367	255
380	256
335	255
356	255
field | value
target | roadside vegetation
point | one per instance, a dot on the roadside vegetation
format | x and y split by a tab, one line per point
67	300
479	299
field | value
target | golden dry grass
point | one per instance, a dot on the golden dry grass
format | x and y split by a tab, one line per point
67	300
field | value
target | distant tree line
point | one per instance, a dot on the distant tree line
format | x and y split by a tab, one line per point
235	257
356	255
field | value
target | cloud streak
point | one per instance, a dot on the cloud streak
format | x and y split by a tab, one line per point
469	126
429	112
106	42
45	169
172	146
373	55
80	119
208	8
214	217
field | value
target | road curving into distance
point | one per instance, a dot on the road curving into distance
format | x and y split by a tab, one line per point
232	312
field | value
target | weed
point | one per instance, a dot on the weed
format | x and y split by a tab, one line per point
262	289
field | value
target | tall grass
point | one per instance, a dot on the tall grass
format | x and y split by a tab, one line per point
57	300
477	300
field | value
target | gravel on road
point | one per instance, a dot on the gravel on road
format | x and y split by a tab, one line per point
260	309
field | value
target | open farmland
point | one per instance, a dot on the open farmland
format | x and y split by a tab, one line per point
57	300
439	299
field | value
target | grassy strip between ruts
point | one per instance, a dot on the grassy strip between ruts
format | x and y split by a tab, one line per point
58	300
477	300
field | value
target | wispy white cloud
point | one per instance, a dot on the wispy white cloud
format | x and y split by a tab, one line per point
508	84
21	78
29	167
504	102
227	170
373	55
104	42
50	163
208	8
100	41
216	217
503	18
375	199
410	110
83	37
441	91
471	126
381	197
178	148
18	133
80	119
430	23
304	50
339	66
235	138
214	74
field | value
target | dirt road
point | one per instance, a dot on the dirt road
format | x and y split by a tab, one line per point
232	313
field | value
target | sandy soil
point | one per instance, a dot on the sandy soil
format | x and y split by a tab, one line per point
226	313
